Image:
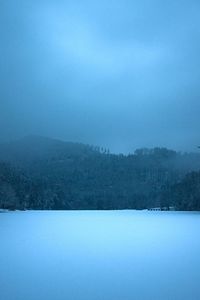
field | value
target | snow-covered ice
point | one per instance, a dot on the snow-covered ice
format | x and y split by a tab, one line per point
99	255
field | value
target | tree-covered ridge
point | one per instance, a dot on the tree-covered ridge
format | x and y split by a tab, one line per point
40	173
185	195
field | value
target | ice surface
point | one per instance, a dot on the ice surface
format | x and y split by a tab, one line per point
104	255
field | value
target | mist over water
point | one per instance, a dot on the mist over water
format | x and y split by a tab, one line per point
111	255
83	82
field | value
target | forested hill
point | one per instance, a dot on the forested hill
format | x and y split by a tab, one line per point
31	149
42	173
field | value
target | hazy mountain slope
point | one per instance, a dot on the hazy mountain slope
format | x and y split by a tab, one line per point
33	148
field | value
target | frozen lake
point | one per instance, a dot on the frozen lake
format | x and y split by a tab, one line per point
104	255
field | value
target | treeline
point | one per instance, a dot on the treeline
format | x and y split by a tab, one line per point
40	173
184	195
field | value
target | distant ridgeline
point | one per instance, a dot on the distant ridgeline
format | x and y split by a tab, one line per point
41	173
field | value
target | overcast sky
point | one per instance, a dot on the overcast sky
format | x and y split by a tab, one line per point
122	74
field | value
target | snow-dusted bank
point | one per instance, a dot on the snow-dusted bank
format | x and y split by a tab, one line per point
104	255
